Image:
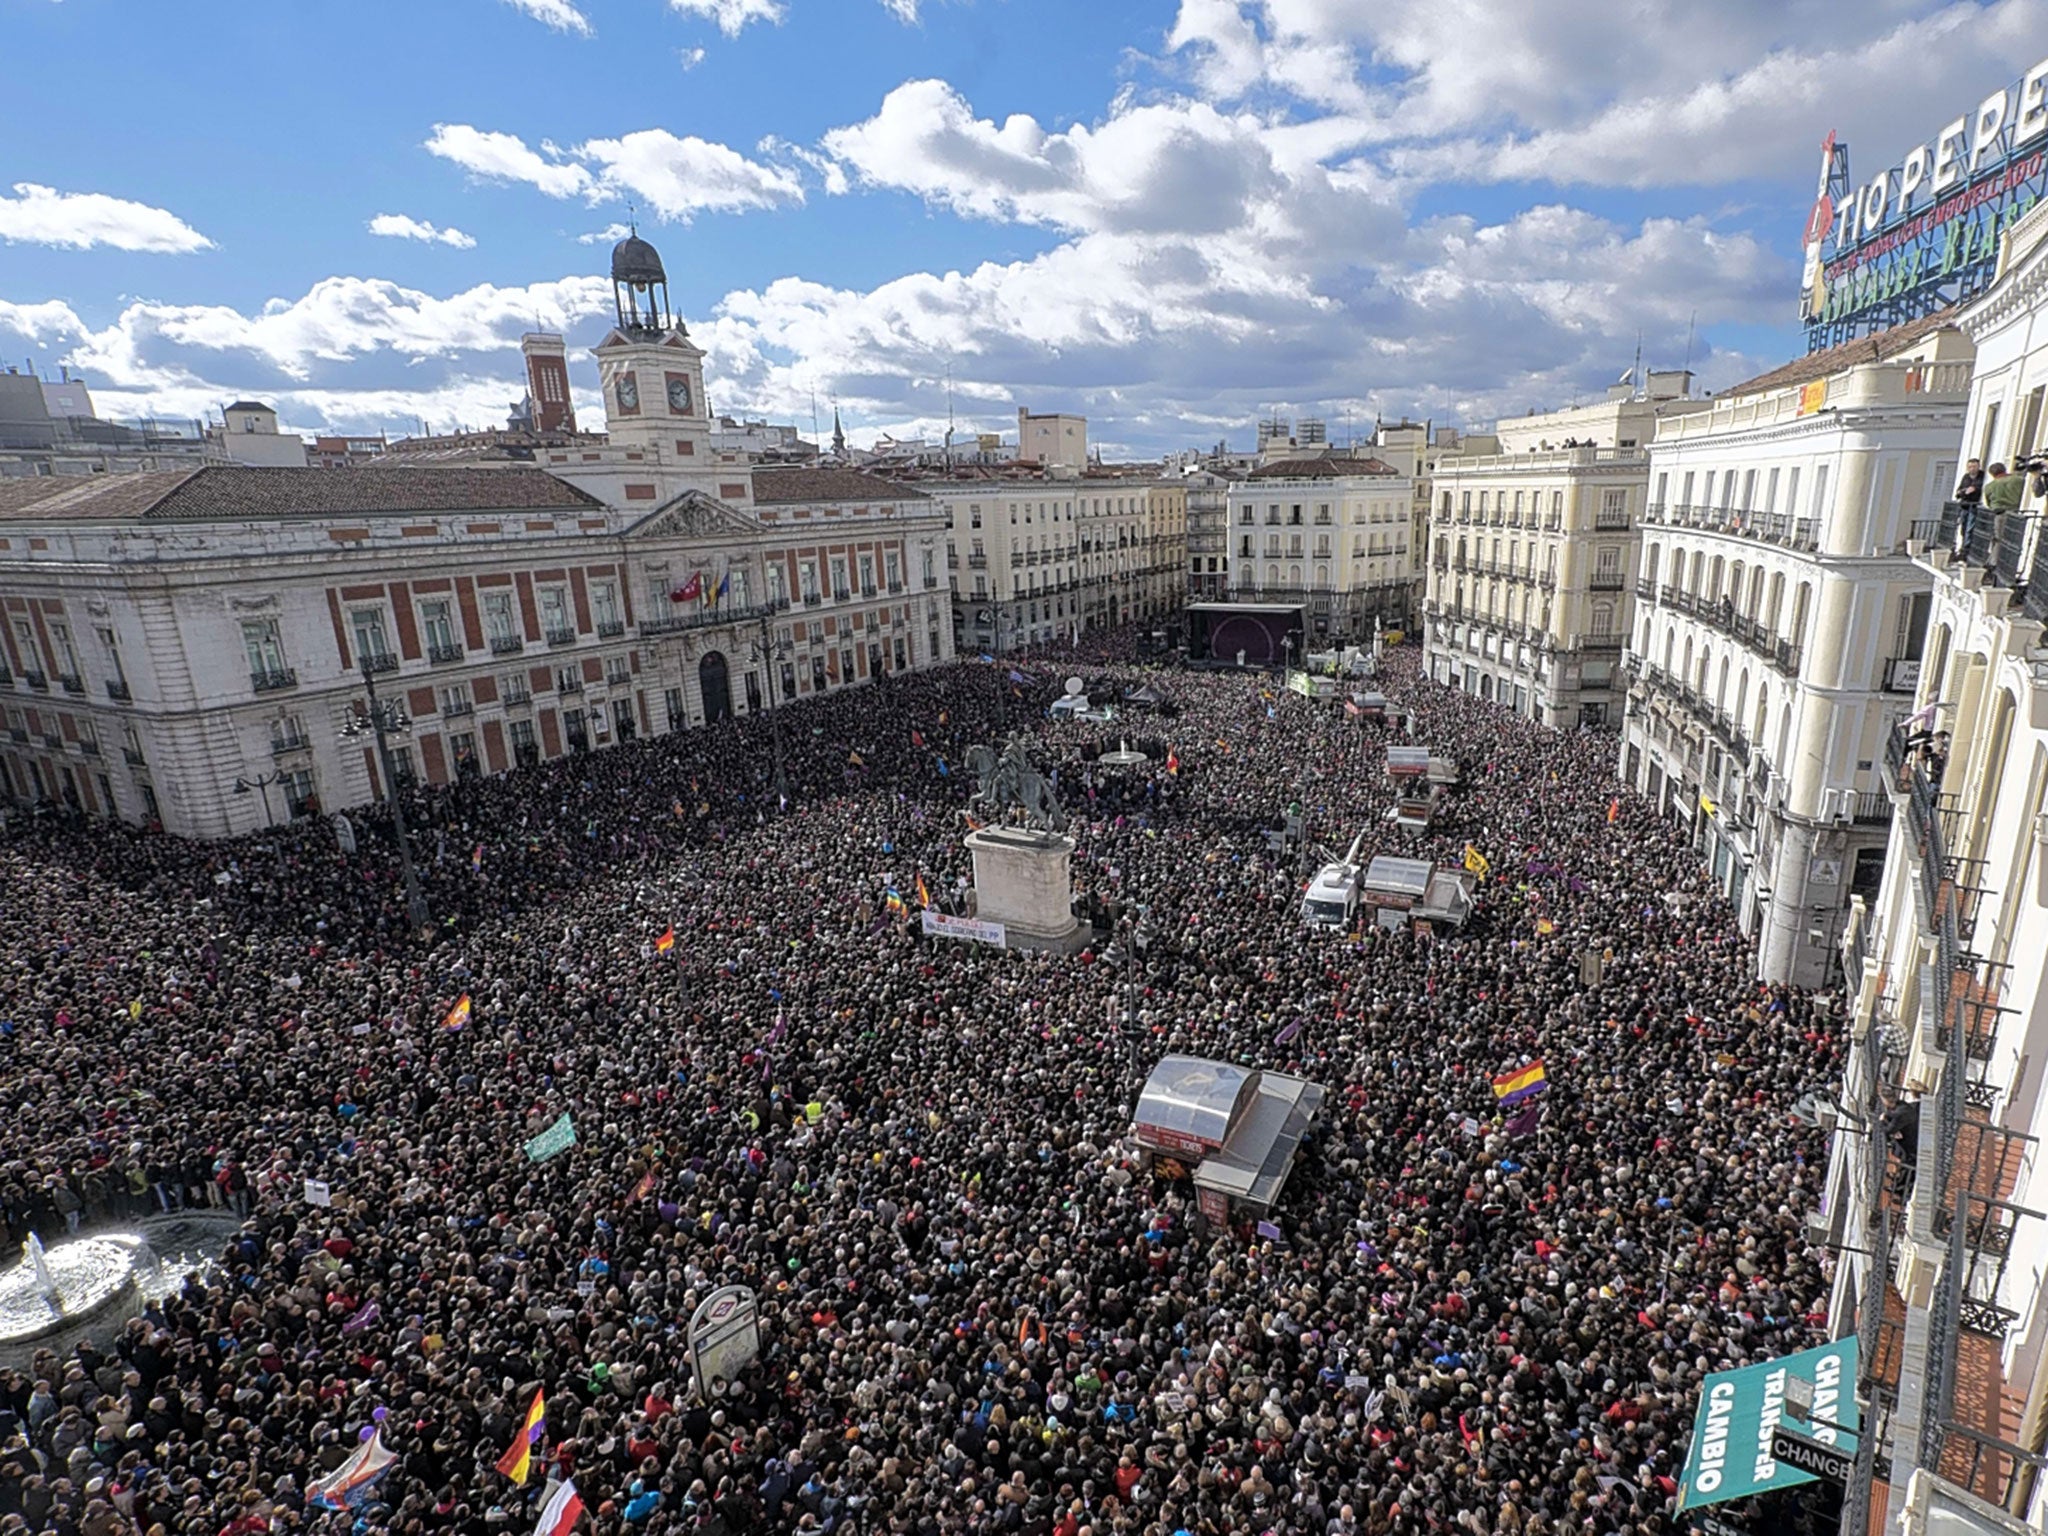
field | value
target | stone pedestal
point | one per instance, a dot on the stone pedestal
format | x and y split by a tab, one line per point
1021	881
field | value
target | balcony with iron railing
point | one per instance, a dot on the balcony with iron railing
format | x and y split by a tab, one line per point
273	680
379	661
117	690
290	742
610	629
71	682
710	618
1605	581
560	637
1957	1416
445	652
507	645
36	680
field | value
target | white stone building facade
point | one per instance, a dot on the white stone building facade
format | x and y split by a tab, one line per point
1331	534
1532	554
1037	557
1937	1201
1779	623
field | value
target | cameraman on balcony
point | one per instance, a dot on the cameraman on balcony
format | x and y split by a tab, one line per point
2002	498
1968	497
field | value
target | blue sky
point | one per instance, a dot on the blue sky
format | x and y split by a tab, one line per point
1169	214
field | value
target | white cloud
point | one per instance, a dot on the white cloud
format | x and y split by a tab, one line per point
677	177
506	157
38	215
732	15
690	58
904	11
348	354
611	234
559	14
399	226
1176	164
1575	92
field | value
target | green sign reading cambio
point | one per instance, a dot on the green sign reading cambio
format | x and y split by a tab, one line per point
1731	1433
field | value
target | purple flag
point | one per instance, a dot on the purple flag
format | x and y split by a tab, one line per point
781	1024
1288	1033
367	1314
1526	1122
1268	1230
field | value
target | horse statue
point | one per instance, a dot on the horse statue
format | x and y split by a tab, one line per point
1010	786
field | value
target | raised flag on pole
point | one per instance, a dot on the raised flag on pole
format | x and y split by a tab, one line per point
924	895
1476	861
563	1509
666	942
457	1016
1614	810
690	590
517	1461
557	1138
350	1483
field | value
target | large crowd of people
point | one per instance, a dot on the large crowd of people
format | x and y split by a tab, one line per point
979	1313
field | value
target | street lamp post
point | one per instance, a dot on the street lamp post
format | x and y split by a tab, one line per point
377	719
261	783
770	653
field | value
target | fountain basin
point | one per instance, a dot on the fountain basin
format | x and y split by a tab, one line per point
87	1276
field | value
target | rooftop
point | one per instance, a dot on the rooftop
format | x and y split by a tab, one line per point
219	493
777	487
1839	359
1321	467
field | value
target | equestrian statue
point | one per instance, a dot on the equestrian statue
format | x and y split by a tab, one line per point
1011	791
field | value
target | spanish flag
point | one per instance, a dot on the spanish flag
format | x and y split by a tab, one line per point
1545	926
924	894
1476	861
457	1016
1172	761
1522	1083
518	1458
1614	810
666	942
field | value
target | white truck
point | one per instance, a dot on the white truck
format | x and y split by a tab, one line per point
1331	900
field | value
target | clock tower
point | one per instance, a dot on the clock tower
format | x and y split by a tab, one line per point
651	372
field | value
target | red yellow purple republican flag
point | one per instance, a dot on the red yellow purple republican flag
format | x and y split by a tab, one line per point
1522	1083
457	1016
517	1461
666	942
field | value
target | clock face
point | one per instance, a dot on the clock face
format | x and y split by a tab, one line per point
679	394
629	392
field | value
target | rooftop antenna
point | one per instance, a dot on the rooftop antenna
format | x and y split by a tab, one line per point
632	217
1689	322
1635	373
949	416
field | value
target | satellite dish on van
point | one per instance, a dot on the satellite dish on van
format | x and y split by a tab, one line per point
1075	687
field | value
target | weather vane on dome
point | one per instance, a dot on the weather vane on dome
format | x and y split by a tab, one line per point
632	217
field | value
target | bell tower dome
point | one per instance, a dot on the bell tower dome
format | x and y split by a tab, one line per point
651	372
640	288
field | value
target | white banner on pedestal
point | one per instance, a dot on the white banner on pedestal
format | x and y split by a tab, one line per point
939	925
